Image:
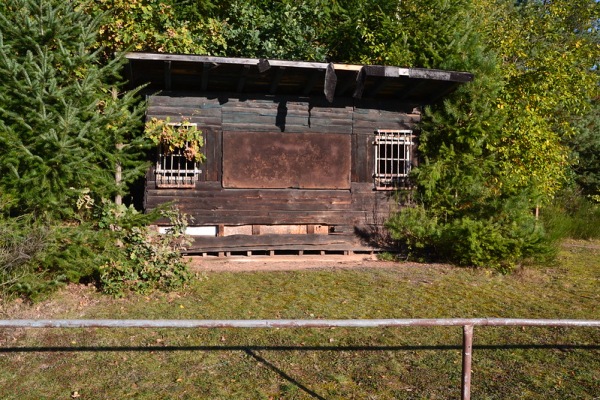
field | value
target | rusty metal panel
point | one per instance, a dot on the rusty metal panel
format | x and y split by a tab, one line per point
284	160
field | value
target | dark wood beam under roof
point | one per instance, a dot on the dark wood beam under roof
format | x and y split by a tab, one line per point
276	79
312	81
242	78
167	75
330	82
205	75
379	84
228	74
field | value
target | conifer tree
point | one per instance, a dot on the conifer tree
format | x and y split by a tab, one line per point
462	212
62	114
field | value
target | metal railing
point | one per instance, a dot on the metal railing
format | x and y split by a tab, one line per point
466	323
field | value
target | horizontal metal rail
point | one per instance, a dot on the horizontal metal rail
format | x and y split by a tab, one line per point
288	323
466	323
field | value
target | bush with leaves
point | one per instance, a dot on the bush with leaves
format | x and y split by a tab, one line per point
146	259
109	245
23	241
500	237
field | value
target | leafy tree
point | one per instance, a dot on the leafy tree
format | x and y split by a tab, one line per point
64	124
146	25
463	212
282	30
366	32
549	52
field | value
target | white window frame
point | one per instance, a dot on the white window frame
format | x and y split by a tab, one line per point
392	159
172	169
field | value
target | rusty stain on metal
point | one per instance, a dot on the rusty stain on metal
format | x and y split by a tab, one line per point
286	160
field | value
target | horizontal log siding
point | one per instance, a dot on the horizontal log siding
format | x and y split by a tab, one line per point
210	204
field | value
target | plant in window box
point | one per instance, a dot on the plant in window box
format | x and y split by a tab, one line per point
170	137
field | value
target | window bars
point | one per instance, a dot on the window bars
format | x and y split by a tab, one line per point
393	152
173	169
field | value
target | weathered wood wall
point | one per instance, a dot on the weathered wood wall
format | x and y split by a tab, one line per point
230	121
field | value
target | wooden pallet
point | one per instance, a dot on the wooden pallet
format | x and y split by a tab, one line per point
343	244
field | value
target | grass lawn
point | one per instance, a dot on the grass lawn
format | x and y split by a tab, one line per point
392	363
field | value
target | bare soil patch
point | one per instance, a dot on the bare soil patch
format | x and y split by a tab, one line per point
293	263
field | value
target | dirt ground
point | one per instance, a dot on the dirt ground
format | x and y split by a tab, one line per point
286	263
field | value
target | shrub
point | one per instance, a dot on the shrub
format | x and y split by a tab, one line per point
22	244
415	229
106	244
147	259
572	215
500	237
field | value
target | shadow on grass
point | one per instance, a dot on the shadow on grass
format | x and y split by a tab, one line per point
251	351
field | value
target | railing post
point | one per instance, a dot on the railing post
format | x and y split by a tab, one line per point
466	361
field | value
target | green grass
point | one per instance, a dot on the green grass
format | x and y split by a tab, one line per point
399	363
572	217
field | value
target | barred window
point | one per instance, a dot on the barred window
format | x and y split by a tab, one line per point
174	169
393	153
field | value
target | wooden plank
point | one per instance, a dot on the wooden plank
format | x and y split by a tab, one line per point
191	196
330	83
210	217
185	111
214	189
212	147
354	169
275	239
273	243
361	162
262	207
433	74
181	100
273	121
381	117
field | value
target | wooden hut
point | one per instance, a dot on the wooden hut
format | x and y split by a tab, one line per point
300	156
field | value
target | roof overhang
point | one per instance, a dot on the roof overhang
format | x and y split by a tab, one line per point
177	72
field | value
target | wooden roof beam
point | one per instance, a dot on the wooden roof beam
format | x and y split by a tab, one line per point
360	83
167	70
312	81
439	75
263	65
330	83
346	85
242	78
450	88
413	89
380	84
205	73
276	79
